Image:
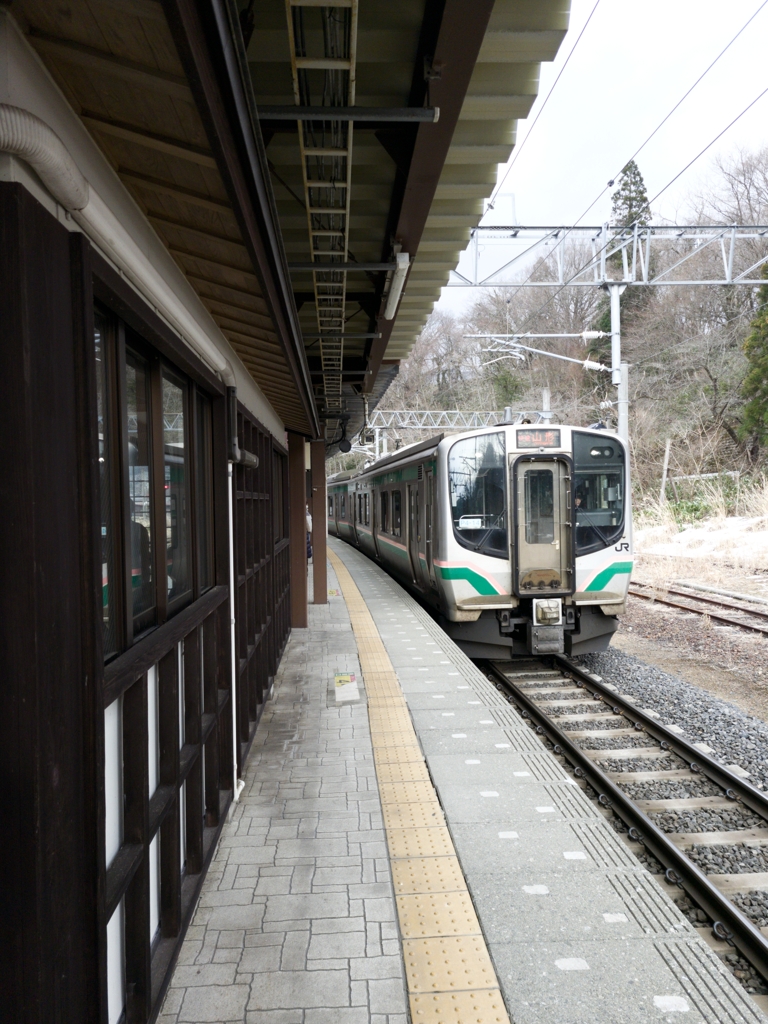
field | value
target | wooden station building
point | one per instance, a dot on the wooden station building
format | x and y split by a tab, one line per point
222	225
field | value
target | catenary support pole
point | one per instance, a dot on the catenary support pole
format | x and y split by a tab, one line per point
297	529
319	523
623	402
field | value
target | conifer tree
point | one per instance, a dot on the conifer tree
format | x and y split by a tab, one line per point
755	386
629	203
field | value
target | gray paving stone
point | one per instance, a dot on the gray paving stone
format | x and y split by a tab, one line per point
334	945
386	996
299	990
214	1004
203	974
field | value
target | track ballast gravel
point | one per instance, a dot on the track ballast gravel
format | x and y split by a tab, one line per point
734	736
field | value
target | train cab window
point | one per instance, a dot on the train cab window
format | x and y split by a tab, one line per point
598	491
385	512
396	514
477	480
539	506
140	491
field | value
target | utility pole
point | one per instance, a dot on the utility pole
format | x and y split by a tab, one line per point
619	370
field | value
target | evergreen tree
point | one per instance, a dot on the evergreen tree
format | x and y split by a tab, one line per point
755	386
629	203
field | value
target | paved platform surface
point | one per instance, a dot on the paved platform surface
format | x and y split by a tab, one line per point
299	921
296	923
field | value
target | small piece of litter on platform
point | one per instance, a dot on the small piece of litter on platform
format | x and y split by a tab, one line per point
671	1004
572	963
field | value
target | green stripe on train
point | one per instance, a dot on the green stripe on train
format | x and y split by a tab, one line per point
617	569
461	572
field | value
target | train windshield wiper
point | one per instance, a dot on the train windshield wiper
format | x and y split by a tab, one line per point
500	519
594	525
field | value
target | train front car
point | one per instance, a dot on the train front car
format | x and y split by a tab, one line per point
533	540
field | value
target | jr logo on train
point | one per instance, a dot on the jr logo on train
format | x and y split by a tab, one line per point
518	537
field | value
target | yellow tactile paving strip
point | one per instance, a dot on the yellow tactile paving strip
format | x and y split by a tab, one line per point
450	976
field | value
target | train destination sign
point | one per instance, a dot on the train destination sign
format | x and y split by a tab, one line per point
538	439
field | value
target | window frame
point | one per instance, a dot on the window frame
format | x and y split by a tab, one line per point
120	338
465	542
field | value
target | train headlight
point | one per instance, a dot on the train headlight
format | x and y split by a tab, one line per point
547	612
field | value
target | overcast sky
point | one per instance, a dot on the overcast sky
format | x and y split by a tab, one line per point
633	63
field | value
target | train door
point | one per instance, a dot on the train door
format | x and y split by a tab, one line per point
413	531
543	549
429	525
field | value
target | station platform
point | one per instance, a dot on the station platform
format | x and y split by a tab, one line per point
405	848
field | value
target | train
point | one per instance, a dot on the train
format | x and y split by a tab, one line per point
517	538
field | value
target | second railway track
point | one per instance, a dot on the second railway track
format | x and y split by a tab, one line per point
719	608
623	753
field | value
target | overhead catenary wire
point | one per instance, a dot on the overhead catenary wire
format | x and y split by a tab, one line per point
519	149
609	241
640	148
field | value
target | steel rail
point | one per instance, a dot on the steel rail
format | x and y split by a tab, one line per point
722	601
725	619
728	921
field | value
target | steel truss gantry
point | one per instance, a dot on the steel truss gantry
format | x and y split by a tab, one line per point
634	256
615	257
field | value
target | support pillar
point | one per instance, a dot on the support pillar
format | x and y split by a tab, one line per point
297	529
319	523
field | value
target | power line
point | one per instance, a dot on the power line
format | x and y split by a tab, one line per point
519	149
649	137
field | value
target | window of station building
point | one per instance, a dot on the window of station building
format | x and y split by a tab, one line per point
385	511
154	432
397	528
140	491
110	596
477	481
598	492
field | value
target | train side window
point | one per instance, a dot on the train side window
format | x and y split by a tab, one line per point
367	509
385	511
598	492
477	480
330	506
396	514
343	506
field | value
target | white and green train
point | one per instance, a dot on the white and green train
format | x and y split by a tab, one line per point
518	537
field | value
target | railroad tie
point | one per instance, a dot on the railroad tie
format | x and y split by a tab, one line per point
449	973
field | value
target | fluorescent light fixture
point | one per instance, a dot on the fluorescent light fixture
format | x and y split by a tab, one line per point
396	287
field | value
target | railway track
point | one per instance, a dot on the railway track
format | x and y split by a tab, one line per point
623	753
733	613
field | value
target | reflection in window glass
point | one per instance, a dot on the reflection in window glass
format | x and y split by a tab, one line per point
176	483
204	494
139	489
539	506
477	478
598	496
108	579
396	514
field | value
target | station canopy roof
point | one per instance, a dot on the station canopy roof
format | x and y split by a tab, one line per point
194	104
